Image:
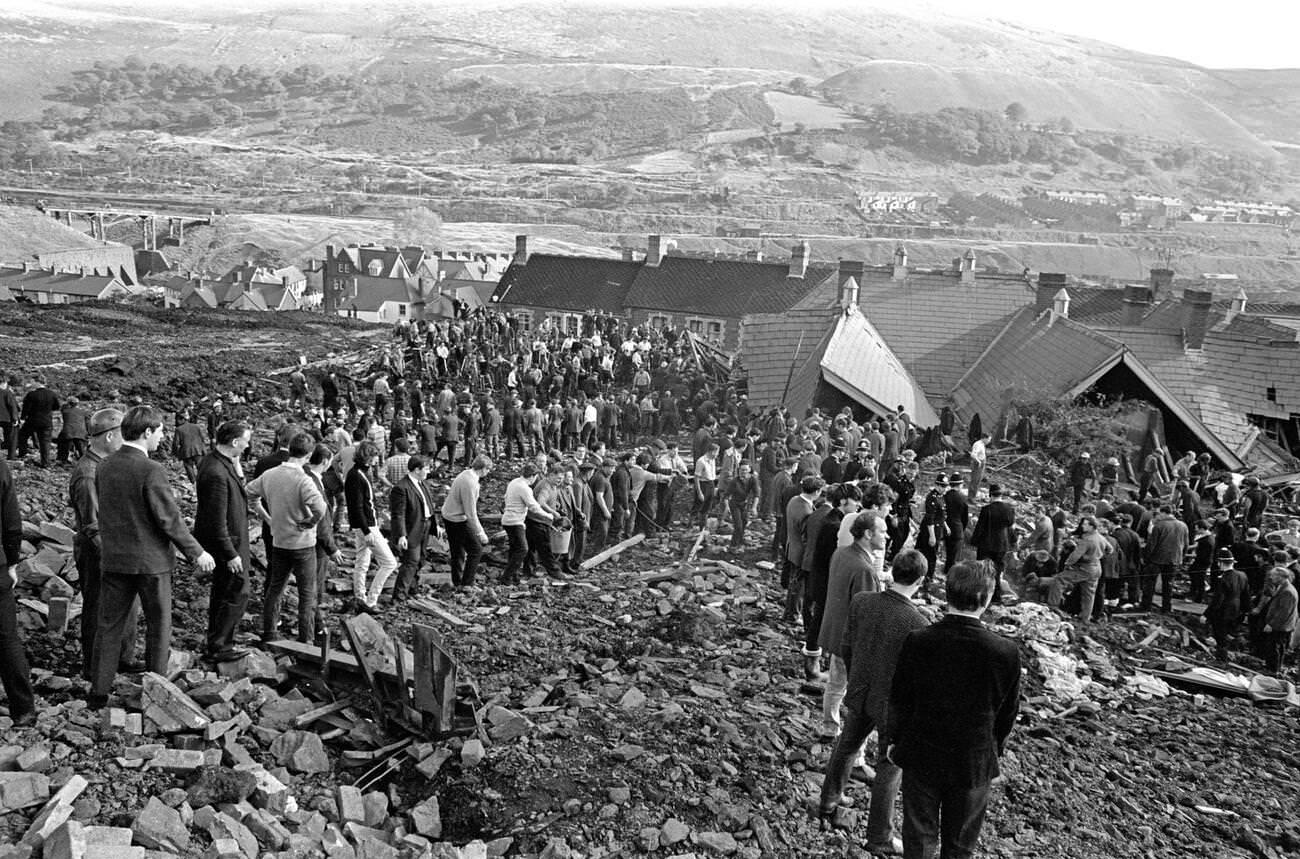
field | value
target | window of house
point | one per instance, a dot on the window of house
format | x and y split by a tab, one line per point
1284	432
376	268
525	320
343	267
707	328
401	310
659	320
1271	393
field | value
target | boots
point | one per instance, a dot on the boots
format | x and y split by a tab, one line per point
812	666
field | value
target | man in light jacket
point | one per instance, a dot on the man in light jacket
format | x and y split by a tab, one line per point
289	500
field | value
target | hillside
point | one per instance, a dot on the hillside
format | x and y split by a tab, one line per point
874	54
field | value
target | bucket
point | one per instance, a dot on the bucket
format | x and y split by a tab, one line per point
560	538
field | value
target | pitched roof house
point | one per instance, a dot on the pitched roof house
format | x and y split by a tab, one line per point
705	295
49	287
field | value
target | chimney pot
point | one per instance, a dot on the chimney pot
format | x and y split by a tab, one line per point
1061	305
850	280
968	267
900	263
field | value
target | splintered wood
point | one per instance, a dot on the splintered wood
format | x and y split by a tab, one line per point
435	679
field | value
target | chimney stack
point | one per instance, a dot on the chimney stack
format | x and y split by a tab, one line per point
1238	304
850	280
1196	318
654	250
799	260
1137	301
900	263
1061	305
521	249
1162	279
627	255
1049	283
754	256
968	267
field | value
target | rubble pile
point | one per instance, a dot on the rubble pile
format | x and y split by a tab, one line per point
648	706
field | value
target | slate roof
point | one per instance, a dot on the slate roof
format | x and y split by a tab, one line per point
567	283
772	344
40	280
937	325
721	287
860	363
374	292
1033	354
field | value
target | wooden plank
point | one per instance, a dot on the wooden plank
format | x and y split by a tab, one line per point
435	678
370	658
312	715
432	606
611	552
338	659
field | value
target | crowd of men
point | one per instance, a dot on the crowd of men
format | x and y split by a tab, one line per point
613	431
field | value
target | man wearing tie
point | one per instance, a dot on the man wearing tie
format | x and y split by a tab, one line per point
221	527
410	510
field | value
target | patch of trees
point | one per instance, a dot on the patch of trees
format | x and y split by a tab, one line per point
964	134
135	94
23	145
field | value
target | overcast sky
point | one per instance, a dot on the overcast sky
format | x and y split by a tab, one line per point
1242	34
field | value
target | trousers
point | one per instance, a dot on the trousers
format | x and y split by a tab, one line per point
117	595
226	604
85	555
15	674
941	820
371	544
466	551
410	559
301	565
884	790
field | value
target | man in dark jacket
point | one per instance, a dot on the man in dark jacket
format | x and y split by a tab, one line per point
105	439
957	518
75	433
1166	545
820	531
15	675
410	514
9	414
39	407
954	699
994	533
189	445
221	527
141	528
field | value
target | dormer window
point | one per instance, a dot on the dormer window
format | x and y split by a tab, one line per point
376	268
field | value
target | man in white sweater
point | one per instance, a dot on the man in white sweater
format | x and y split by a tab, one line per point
519	502
465	535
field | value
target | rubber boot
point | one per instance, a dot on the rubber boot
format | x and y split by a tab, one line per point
812	667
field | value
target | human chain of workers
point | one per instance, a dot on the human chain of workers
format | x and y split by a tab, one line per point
593	420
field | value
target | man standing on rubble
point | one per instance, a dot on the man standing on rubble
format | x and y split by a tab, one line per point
876	626
9	414
466	536
38	410
994	533
953	702
292	505
1165	547
221	527
15	675
141	528
105	439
